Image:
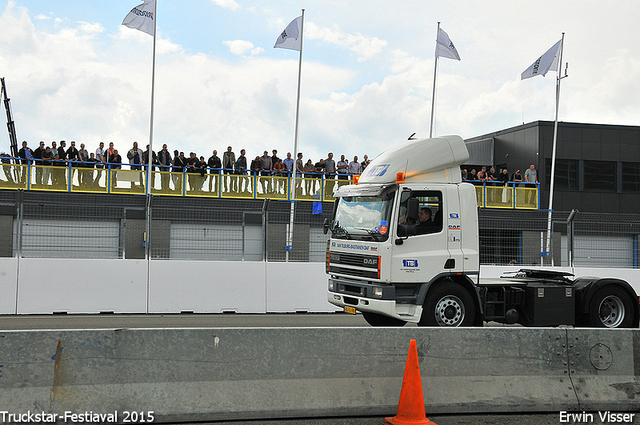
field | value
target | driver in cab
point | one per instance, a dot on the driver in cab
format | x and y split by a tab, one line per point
426	224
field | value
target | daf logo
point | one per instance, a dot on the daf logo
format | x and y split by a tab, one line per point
370	261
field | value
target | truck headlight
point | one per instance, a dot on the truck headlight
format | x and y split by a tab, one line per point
377	292
331	285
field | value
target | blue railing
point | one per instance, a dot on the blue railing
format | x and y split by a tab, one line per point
512	195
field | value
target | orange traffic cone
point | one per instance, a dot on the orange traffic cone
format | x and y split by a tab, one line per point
411	404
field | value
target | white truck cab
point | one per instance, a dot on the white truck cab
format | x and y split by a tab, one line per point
404	248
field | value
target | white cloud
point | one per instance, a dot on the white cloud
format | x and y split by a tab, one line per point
364	47
42	17
227	4
91	27
240	47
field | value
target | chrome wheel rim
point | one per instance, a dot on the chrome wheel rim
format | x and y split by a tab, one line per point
611	311
449	311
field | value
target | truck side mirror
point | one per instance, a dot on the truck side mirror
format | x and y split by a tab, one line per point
405	195
325	226
412	210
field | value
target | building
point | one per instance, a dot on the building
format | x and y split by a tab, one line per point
597	165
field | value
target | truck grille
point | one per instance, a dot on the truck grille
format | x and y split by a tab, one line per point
367	266
369	261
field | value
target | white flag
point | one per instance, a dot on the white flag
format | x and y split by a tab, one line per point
142	17
544	63
291	37
444	46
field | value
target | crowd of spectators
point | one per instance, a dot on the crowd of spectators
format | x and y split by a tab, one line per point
164	160
493	177
229	163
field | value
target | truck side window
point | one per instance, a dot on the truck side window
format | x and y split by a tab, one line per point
429	214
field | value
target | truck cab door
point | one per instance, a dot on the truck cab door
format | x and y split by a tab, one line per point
421	248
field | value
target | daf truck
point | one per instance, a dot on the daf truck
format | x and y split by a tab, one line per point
404	248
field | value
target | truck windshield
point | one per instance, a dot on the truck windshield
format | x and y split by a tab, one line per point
363	217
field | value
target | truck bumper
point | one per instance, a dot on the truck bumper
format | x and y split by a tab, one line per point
408	312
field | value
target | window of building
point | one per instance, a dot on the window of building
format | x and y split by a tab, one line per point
600	175
566	174
631	177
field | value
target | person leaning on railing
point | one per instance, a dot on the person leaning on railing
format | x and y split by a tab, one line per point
5	158
516	177
115	163
47	158
37	156
503	178
165	162
256	166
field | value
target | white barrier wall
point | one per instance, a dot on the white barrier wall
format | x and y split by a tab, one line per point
207	286
44	286
8	285
50	285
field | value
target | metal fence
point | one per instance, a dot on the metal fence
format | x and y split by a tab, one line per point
578	238
51	225
74	225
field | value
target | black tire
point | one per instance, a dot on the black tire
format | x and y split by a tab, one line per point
375	319
448	305
611	307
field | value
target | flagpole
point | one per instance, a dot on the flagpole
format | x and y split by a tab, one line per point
553	155
153	85
433	95
295	140
150	158
289	246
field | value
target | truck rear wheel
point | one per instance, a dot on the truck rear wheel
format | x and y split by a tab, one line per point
611	307
448	305
375	319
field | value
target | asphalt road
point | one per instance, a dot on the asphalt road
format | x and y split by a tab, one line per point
142	321
220	320
486	419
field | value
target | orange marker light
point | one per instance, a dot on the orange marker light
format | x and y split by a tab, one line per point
400	177
356	179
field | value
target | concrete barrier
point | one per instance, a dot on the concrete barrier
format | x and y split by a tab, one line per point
233	373
601	364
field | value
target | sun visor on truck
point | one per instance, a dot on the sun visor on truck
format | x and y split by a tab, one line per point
434	160
360	190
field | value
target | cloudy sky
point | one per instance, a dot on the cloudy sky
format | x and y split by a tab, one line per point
73	72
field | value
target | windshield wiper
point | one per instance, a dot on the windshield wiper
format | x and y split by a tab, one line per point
340	230
371	233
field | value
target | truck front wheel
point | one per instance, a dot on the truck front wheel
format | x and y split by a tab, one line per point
611	307
448	305
375	319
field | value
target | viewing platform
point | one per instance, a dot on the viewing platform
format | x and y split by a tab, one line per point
218	183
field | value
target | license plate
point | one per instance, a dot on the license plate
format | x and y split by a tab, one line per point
350	310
